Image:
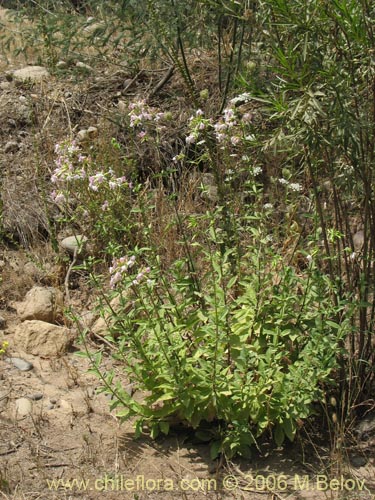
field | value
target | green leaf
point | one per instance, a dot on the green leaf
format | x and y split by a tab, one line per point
278	435
215	449
289	429
155	430
164	427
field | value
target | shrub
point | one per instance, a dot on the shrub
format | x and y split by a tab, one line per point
244	354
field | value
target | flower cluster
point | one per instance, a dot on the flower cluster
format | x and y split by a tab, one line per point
107	179
225	128
241	99
121	266
74	166
70	163
293	186
142	115
228	130
197	124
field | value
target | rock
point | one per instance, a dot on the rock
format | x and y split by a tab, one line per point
358	461
2	323
42	339
84	66
20	363
61	65
209	188
92	132
102	325
36	397
122	107
87	319
5	85
53	400
82	135
358	240
31	73
87	134
11	147
365	428
74	244
23	407
41	303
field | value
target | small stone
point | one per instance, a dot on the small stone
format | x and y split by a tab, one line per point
61	65
23	407
84	66
74	244
5	85
21	364
122	107
209	190
53	400
365	428
36	397
11	147
92	132
358	461
82	135
50	406
2	322
31	73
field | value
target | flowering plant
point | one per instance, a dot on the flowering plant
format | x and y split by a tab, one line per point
91	195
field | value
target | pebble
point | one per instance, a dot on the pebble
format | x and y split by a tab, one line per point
23	407
50	406
83	66
87	134
20	363
358	461
5	85
36	397
53	401
72	243
61	65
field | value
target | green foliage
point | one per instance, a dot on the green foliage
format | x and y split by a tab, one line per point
320	104
249	354
243	330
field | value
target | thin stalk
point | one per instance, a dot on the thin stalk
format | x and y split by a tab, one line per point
230	66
